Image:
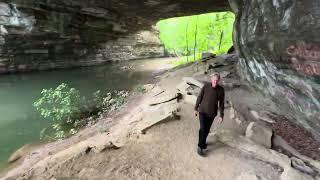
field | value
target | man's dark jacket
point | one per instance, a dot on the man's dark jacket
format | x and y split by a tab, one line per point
210	99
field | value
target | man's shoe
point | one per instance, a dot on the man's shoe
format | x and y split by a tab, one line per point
200	151
206	145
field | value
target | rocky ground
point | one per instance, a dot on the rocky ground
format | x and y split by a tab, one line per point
155	137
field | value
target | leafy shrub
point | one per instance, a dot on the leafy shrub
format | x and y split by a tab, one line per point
109	101
69	112
61	105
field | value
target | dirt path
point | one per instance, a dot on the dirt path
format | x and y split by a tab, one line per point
168	151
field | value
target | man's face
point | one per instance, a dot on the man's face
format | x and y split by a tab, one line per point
214	81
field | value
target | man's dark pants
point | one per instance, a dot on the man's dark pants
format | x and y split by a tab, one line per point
205	125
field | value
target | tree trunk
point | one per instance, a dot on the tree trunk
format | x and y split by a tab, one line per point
195	40
187	40
220	40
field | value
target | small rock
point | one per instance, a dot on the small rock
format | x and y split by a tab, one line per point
238	121
182	87
300	165
224	74
232	113
36	51
279	142
5	9
259	134
260	116
207	55
192	99
231	85
88	172
199	73
22	67
292	174
214	65
193	90
148	87
156	91
248	176
190	80
3	70
19	153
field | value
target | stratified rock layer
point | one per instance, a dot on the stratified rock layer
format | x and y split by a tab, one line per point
42	34
279	49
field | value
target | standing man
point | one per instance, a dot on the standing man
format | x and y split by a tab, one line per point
209	100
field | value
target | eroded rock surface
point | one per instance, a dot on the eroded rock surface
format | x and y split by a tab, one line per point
279	50
36	35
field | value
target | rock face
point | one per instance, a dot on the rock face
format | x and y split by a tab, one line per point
279	50
41	34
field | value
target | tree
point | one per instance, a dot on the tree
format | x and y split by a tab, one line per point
191	35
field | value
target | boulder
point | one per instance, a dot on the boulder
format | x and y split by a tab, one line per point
164	112
279	142
259	134
259	152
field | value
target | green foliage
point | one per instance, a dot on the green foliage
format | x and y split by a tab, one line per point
58	104
109	101
209	32
68	111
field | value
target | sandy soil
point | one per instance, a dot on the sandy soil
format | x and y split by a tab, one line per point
167	151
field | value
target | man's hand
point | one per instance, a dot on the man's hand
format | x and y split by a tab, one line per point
196	113
220	120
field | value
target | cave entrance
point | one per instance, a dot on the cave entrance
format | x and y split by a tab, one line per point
190	36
